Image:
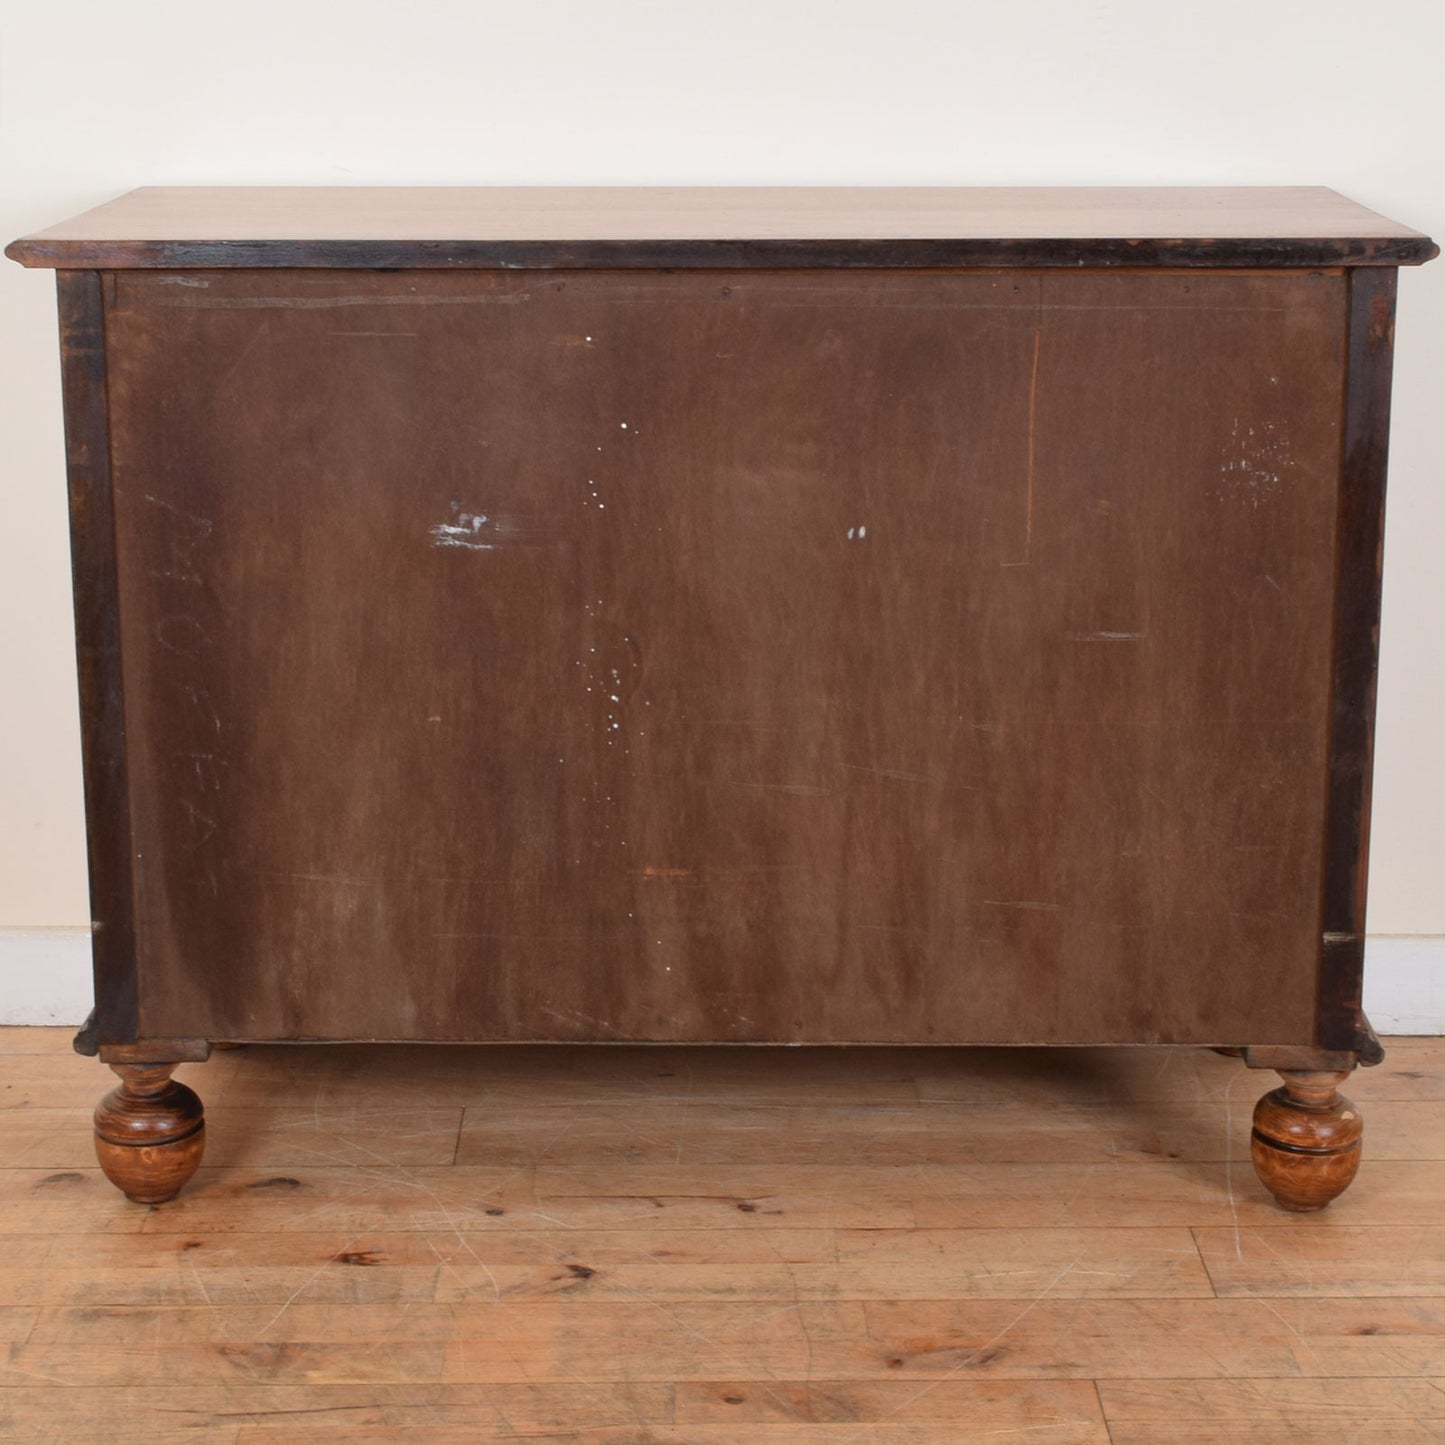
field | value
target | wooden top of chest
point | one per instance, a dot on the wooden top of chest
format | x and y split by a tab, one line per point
562	227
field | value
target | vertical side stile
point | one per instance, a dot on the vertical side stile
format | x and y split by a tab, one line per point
1359	560
97	630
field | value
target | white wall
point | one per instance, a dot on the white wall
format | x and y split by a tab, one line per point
96	98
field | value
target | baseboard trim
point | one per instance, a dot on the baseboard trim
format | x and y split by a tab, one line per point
45	976
45	979
1405	983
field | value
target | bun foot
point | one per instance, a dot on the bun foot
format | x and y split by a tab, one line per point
1306	1143
149	1133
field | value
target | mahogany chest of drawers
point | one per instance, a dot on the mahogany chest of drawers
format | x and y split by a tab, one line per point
787	616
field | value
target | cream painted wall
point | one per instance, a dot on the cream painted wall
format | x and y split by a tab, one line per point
96	98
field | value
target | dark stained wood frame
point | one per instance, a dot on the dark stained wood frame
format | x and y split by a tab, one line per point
751	254
97	644
1359	561
1340	1024
768	227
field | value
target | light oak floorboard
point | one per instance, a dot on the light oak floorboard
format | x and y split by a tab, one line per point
618	1264
1063	1413
574	1337
1034	1196
1320	1412
1362	1261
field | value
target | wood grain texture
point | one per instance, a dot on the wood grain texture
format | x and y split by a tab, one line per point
619	1265
1058	1412
376	1299
745	227
150	1133
1306	1140
604	1341
1374	1260
1330	1412
767	597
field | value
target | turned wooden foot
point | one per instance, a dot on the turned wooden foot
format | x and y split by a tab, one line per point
149	1133
1306	1144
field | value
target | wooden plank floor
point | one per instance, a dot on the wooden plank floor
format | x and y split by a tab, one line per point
631	1246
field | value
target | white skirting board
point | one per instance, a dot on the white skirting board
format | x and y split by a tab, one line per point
1405	984
45	979
45	976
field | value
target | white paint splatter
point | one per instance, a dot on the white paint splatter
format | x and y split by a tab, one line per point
464	531
1253	463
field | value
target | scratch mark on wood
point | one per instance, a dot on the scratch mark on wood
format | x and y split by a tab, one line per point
204	826
573	1015
325	303
203	525
304	1285
1033	430
1031	450
898	773
345	879
797	790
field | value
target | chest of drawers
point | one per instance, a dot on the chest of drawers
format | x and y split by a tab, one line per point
754	617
